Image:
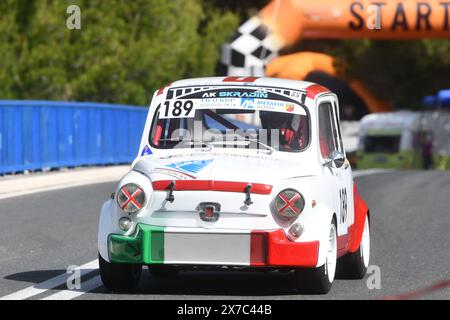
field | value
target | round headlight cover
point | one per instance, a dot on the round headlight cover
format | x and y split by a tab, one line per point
289	203
131	198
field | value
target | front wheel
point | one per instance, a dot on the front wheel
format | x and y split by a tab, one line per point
319	280
119	277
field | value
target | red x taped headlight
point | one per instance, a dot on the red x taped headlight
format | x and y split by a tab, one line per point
289	203
131	198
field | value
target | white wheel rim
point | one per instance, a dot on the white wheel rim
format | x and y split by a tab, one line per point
365	244
330	265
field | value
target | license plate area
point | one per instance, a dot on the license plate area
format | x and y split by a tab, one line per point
207	248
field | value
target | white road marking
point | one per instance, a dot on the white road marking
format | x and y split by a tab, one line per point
49	284
86	286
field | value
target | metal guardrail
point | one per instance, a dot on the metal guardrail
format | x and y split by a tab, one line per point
38	135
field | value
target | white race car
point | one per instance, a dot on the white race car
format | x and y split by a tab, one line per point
233	173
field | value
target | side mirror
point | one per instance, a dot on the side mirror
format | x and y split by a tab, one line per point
335	158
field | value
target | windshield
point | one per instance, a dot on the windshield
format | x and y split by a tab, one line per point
382	144
231	118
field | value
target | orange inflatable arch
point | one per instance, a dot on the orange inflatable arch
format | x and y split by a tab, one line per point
290	21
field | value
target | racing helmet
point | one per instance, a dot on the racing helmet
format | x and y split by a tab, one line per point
280	120
273	120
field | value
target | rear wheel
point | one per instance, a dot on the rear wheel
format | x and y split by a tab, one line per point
119	277
319	280
163	271
354	265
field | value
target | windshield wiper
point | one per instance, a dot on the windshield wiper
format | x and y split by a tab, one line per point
211	143
269	148
179	139
187	141
246	140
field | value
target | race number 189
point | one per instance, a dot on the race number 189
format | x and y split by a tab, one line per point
178	109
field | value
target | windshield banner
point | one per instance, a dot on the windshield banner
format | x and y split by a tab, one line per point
184	105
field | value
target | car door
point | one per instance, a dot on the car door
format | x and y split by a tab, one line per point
330	140
327	144
345	178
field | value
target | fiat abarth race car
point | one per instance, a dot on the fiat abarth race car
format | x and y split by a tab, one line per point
237	173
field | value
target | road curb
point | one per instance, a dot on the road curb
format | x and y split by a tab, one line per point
14	186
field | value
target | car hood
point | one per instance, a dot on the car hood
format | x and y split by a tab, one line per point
264	169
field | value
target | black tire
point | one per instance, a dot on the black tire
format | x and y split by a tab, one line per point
163	271
351	266
314	280
119	277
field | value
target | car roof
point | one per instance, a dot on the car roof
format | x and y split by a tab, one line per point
397	119
312	89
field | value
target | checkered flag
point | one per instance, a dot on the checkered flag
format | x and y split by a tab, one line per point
252	47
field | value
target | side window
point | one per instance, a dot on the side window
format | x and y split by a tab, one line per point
338	126
327	130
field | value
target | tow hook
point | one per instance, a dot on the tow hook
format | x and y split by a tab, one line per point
170	196
248	200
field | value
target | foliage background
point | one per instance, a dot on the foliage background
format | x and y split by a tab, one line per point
129	48
402	72
124	51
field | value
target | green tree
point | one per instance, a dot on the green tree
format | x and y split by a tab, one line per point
402	72
124	51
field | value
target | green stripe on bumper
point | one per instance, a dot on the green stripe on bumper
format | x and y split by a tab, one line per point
145	247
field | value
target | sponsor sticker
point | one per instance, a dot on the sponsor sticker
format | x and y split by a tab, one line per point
146	151
187	102
248	103
190	166
173	173
290	107
244	94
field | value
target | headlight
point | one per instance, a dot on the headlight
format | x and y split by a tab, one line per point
131	198
125	224
289	203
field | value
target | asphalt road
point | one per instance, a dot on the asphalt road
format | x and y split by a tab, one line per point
42	234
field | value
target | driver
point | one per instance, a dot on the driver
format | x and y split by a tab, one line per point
290	128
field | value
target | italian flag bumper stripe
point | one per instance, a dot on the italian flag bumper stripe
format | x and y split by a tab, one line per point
159	245
146	247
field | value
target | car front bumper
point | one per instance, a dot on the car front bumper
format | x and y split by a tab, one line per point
189	246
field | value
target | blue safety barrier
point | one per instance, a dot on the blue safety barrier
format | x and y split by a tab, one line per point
37	135
443	98
430	102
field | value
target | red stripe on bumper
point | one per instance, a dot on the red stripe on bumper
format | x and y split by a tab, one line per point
258	249
210	185
275	249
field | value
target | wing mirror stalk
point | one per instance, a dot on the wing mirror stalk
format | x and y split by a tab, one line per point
336	159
